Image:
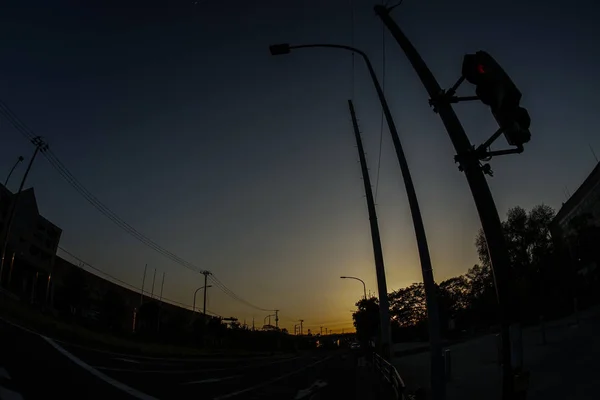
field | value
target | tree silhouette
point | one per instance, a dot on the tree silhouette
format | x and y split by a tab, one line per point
366	319
529	243
407	305
453	300
539	280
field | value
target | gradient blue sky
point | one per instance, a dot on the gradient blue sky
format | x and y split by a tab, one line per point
245	164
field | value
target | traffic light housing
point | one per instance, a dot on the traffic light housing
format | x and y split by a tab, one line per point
495	89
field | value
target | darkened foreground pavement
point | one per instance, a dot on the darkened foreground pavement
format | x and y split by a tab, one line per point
35	367
566	367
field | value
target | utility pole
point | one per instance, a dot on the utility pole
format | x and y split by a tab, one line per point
206	274
161	287
325	331
276	318
301	330
484	202
153	279
252	323
384	305
40	145
160	302
143	282
321	333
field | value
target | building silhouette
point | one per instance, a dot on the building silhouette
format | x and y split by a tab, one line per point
31	247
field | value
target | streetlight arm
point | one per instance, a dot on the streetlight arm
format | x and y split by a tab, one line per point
358	279
331	46
352	277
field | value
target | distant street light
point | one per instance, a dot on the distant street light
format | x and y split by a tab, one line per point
358	279
200	288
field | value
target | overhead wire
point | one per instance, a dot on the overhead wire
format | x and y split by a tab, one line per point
107	212
232	294
394	6
101	207
124	283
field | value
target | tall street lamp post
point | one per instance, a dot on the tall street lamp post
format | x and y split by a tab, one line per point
437	361
358	279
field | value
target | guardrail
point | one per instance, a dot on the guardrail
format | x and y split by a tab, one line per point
391	375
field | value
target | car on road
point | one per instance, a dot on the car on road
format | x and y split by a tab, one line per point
354	346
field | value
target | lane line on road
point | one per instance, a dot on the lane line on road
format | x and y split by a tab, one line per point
19	326
309	391
6	394
129	390
4	373
263	384
210	380
150	358
189	371
127	360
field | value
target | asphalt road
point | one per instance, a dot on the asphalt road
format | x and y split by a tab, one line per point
35	367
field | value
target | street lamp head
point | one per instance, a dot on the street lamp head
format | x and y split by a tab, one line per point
21	158
343	277
279	49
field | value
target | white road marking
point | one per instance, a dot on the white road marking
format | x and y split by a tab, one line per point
131	391
233	394
6	394
127	360
175	359
310	390
4	373
189	371
18	326
143	358
210	380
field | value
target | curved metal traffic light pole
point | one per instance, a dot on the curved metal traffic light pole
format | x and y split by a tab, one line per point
358	279
427	271
486	208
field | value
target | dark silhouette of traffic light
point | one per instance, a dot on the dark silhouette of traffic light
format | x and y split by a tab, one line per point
495	89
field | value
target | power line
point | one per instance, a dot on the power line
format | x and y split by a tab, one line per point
381	119
78	186
122	282
234	296
107	212
394	6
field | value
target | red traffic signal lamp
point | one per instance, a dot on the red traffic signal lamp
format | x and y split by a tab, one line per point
495	89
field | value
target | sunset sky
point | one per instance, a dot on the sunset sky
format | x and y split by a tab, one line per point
175	115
